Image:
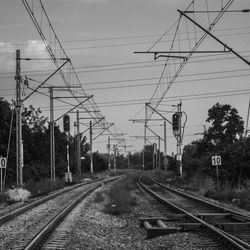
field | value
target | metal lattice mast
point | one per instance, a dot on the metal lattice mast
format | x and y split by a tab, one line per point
78	145
52	137
91	147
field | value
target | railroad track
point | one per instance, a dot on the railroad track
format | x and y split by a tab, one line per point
231	230
11	215
31	228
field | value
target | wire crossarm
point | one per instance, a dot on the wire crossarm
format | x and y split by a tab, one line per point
215	38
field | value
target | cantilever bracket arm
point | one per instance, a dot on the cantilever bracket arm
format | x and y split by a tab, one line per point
159	52
67	60
164	118
93	124
214	37
121	141
105	129
154	132
74	107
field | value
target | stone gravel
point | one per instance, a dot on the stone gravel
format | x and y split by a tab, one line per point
92	228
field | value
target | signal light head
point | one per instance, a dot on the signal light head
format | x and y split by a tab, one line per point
176	122
66	123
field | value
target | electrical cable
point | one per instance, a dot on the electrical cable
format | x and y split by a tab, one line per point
135	67
169	99
125	44
126	37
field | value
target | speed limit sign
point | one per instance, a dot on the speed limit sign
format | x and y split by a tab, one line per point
216	160
3	162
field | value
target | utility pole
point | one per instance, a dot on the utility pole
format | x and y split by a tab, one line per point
159	153
165	147
128	160
78	145
109	159
52	138
91	147
114	148
145	142
154	149
19	155
179	142
66	128
68	170
246	130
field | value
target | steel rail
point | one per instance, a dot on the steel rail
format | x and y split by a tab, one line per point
223	209
21	210
237	243
48	229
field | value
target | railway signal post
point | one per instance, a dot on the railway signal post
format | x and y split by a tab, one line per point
19	155
3	164
176	123
216	161
66	128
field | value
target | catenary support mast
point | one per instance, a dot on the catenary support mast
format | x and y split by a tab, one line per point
19	141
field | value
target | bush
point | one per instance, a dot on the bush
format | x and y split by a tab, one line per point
120	198
44	186
18	194
3	197
238	196
115	173
163	176
146	180
98	197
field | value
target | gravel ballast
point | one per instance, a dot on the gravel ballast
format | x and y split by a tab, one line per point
89	227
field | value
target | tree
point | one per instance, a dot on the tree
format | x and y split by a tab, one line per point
226	125
32	118
223	137
6	115
135	160
148	157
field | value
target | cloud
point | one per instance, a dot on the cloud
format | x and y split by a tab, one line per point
29	49
36	49
7	56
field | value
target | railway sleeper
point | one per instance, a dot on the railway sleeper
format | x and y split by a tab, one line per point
226	226
157	227
173	216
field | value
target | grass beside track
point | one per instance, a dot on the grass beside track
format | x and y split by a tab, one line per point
120	198
40	188
238	196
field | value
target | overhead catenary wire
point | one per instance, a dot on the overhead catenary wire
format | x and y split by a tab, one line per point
169	99
152	84
121	45
221	58
182	63
70	78
7	44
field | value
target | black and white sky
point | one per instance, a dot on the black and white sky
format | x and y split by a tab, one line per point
100	37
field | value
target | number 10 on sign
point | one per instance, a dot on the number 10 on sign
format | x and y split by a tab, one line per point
216	160
3	163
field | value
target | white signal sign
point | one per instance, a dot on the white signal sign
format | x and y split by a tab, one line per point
3	162
216	160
